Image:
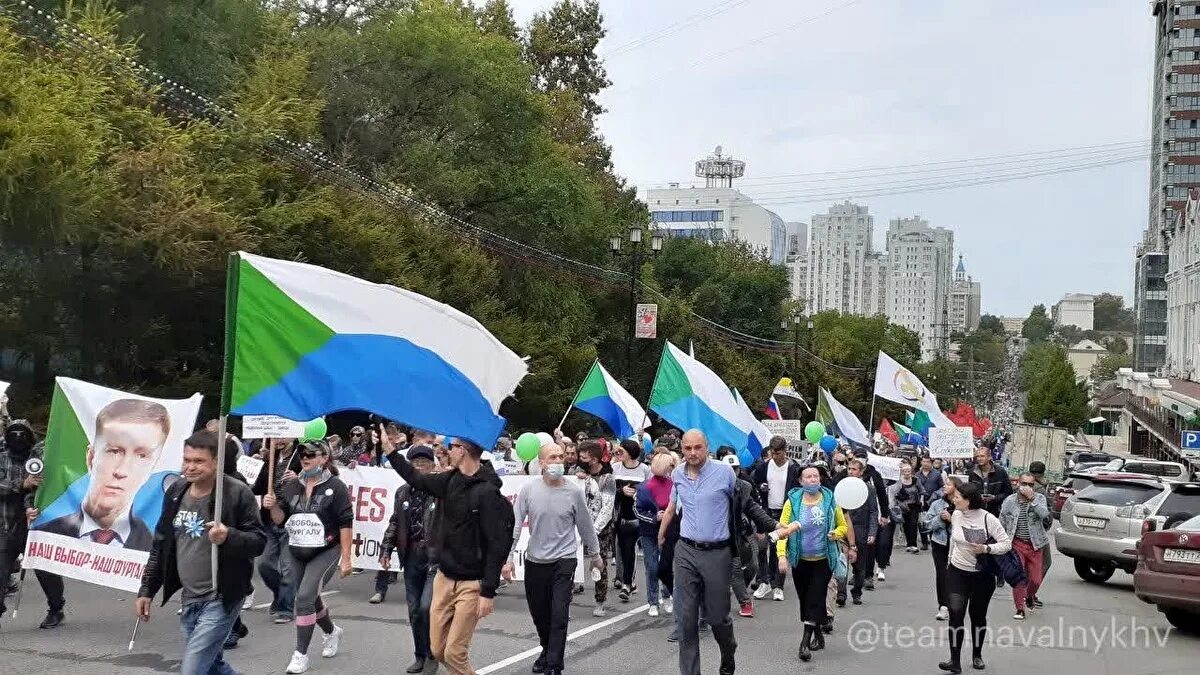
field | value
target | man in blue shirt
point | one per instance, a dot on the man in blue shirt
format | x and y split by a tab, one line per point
703	558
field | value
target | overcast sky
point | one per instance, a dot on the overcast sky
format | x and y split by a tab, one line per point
803	86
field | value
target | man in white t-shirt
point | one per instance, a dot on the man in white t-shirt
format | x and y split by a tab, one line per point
772	479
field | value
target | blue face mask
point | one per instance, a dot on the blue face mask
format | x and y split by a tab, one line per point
314	472
555	470
811	489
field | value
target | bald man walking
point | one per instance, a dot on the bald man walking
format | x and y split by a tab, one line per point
703	557
555	509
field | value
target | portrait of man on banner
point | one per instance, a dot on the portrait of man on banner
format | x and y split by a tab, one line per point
128	443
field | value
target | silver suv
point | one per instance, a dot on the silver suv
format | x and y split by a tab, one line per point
1100	525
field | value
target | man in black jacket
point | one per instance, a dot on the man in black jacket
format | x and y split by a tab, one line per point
408	532
992	480
751	520
180	555
475	530
772	480
883	537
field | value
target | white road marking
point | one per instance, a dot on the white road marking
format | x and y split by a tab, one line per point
267	604
532	653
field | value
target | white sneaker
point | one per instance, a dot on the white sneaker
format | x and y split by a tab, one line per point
668	606
761	591
653	611
298	664
248	603
329	642
777	595
600	611
943	613
879	576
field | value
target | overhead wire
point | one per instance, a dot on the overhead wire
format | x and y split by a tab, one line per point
670	29
47	29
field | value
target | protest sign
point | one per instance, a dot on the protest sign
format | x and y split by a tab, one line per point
249	467
951	442
792	430
373	499
271	426
109	458
888	467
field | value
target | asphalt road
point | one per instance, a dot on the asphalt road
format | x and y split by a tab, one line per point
1084	629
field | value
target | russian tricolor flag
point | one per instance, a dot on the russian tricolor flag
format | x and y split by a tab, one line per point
772	409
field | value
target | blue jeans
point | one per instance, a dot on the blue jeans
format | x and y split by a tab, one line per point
205	625
650	556
418	590
275	568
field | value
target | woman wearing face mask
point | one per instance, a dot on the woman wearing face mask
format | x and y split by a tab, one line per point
315	510
653	496
812	525
905	497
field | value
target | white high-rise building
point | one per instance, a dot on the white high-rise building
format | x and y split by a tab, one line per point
797	240
838	254
717	212
966	297
918	294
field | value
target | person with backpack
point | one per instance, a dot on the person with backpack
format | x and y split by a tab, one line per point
475	536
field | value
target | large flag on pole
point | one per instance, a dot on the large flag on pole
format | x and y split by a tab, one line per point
602	396
691	396
847	424
303	341
896	383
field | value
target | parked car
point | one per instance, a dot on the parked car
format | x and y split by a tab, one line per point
1078	461
1172	471
1168	571
1073	483
1100	525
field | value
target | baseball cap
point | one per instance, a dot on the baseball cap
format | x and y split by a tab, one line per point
420	452
732	460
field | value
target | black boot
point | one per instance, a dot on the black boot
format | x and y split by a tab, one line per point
728	646
53	620
806	643
818	640
417	666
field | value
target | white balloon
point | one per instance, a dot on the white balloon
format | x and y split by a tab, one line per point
850	493
545	438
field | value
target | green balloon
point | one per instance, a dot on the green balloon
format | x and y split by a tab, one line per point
314	430
813	431
528	445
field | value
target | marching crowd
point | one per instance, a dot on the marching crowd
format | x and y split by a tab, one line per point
711	532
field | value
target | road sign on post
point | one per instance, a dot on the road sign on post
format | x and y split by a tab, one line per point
1190	440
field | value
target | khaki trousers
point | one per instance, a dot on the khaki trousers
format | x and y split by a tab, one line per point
452	619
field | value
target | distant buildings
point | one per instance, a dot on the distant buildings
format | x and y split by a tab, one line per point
966	299
918	293
1075	309
1013	325
838	254
718	212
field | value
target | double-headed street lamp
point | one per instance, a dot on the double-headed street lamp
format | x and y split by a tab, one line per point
795	323
635	252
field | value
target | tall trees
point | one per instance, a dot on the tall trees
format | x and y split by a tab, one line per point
1038	326
991	324
1109	313
1054	394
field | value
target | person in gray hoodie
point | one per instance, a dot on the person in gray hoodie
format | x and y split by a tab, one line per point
865	521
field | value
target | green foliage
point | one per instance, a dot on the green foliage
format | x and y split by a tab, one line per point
1109	313
1039	325
1106	368
990	323
1054	393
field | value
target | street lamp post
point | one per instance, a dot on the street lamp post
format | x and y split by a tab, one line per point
636	258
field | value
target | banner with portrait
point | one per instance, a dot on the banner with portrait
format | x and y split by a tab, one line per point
109	458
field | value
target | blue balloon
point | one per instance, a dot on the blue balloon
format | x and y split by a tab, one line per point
828	443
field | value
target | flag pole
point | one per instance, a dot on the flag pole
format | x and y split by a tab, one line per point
871	416
646	409
577	391
220	489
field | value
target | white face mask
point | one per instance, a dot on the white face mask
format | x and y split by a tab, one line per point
555	470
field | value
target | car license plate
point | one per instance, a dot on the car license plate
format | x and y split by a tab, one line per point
1182	555
1097	523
